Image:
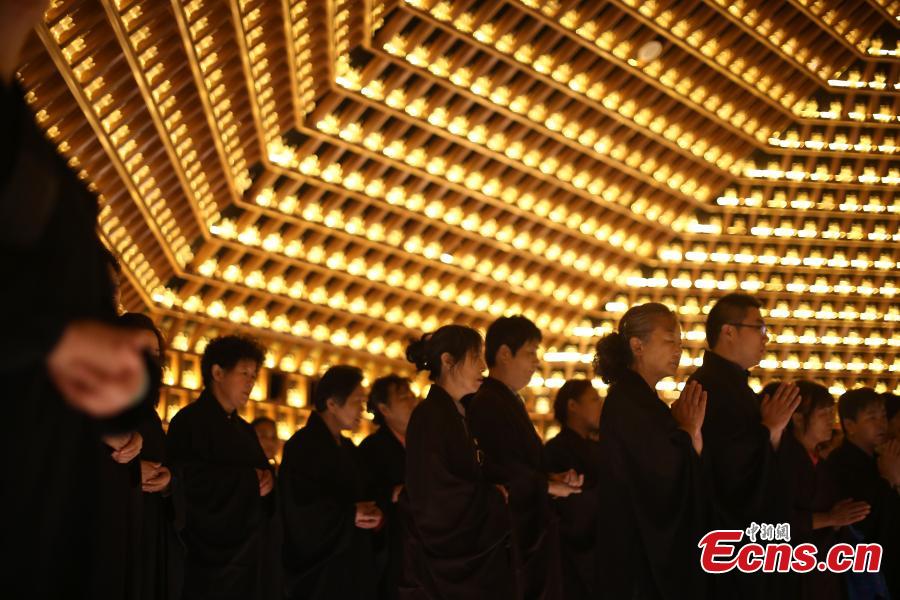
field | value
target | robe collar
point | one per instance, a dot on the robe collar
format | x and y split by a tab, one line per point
316	425
567	433
632	378
725	366
388	434
500	387
441	395
852	449
207	398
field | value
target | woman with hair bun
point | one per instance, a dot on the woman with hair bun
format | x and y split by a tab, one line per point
652	511
459	525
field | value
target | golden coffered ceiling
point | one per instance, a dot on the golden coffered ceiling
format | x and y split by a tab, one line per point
337	176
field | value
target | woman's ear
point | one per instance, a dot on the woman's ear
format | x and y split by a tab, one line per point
447	362
637	347
797	420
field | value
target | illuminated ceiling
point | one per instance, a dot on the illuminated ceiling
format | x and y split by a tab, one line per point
339	176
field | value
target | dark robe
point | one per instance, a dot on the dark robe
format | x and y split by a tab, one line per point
744	477
458	545
161	551
653	511
811	490
54	271
384	458
118	538
578	530
856	475
214	456
514	457
325	554
271	570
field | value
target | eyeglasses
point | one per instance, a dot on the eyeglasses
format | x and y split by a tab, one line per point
762	329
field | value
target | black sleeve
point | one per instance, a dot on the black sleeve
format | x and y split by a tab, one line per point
505	461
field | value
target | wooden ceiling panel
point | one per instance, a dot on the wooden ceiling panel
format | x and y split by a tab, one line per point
338	175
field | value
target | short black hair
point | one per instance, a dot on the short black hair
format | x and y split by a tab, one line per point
731	308
570	390
141	322
813	396
380	394
226	351
853	402
336	384
512	332
263	421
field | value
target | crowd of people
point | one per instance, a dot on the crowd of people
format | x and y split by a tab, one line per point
453	496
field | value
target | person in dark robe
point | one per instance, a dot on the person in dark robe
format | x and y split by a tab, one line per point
742	435
328	517
866	467
117	540
459	529
818	515
73	375
391	402
223	479
514	454
267	433
577	409
161	552
652	511
271	573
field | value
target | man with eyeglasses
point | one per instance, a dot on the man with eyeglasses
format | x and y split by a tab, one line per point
741	435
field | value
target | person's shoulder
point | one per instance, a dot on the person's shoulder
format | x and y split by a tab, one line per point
620	396
491	395
302	435
297	443
493	388
244	423
840	458
717	386
703	373
432	415
557	444
187	414
373	442
427	409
